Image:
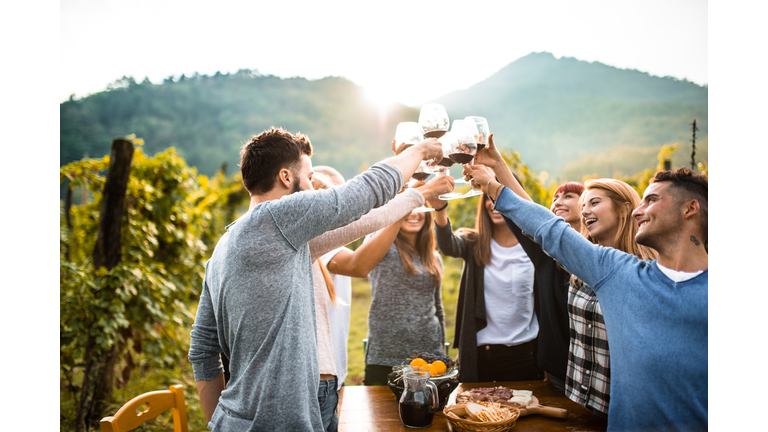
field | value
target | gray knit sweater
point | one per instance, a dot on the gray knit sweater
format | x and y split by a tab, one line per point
257	305
406	312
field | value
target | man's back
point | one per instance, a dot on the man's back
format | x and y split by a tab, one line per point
262	299
257	305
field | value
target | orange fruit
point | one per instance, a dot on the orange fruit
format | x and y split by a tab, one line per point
418	362
439	367
431	369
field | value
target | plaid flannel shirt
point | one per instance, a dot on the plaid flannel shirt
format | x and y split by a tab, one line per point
587	381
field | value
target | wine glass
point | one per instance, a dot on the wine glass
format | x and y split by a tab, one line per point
433	120
421	174
480	130
478	127
448	142
408	133
465	151
466	148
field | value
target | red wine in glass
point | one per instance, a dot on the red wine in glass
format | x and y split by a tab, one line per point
461	158
434	134
446	162
420	176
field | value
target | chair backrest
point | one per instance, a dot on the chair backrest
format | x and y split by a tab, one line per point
157	402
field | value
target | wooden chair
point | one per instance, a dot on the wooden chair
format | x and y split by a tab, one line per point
157	402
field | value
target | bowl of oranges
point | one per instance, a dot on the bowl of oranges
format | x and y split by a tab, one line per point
442	371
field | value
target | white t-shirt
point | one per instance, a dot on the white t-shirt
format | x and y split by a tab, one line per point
338	315
508	298
678	276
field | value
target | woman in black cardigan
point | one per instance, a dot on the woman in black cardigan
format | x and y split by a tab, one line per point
496	341
552	279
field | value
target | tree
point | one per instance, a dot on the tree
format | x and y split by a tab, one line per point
171	220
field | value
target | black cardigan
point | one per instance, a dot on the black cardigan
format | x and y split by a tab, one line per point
470	311
552	281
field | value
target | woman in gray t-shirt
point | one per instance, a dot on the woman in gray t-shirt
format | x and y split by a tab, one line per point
406	312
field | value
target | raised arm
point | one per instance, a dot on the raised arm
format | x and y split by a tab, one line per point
531	248
491	157
303	216
591	263
379	218
360	262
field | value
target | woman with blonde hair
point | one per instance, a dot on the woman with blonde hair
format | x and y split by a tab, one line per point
606	220
607	206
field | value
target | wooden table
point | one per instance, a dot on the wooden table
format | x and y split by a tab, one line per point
374	408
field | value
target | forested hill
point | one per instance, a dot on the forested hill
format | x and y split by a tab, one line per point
550	110
207	118
554	110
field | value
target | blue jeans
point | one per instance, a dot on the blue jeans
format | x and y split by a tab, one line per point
328	398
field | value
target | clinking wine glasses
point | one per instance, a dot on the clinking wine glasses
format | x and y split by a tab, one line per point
448	142
433	120
466	148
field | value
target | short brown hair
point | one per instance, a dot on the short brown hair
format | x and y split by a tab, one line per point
262	158
689	185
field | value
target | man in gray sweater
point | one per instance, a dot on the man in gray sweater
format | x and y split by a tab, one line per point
257	302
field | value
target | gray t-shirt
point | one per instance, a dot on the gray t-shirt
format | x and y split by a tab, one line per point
257	305
406	312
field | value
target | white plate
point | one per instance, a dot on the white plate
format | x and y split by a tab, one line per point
447	375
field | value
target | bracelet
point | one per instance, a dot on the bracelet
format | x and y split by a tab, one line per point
488	188
442	208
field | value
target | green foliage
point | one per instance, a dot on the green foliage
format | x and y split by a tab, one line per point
171	221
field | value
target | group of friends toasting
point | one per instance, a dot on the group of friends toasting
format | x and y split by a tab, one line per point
604	295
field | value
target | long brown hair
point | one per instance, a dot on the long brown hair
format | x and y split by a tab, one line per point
321	181
481	234
426	245
624	199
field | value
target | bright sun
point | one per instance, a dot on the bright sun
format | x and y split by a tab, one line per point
379	97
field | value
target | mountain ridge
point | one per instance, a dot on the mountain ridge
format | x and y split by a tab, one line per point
551	110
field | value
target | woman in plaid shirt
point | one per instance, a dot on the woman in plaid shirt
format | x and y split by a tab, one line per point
606	219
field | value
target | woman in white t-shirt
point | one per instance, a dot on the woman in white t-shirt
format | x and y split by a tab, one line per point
496	323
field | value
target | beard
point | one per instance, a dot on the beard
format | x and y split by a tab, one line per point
664	233
296	186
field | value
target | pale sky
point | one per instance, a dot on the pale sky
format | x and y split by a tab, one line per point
403	51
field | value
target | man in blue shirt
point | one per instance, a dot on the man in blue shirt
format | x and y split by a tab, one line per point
655	312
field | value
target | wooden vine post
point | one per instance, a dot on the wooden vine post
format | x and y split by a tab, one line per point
693	146
98	376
